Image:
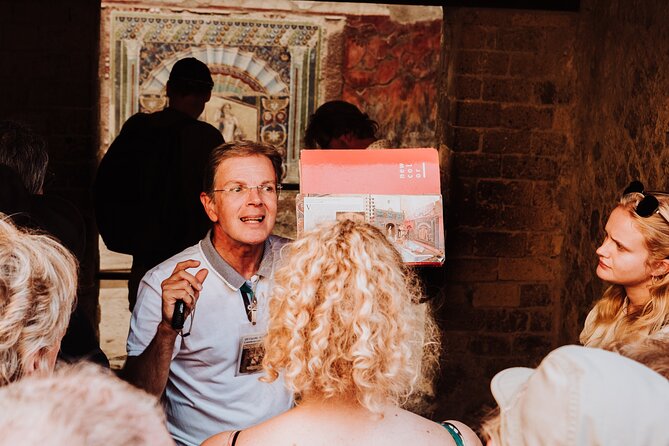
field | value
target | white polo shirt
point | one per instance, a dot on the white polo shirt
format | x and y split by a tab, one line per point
205	392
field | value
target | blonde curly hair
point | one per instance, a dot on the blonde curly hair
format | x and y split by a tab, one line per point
345	319
38	282
609	322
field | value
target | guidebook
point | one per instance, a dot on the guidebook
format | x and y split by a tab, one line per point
396	190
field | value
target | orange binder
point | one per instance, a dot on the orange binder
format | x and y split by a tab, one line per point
396	190
387	171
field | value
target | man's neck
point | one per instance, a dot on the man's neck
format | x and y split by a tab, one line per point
186	105
245	259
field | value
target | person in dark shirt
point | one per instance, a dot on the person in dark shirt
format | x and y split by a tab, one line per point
23	166
149	182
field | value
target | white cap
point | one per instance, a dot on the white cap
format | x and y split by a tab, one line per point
583	396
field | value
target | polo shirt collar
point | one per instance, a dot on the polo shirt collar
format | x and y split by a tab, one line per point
227	272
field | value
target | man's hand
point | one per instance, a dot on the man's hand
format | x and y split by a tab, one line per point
182	285
150	370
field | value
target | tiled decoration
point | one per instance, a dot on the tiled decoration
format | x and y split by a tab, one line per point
264	72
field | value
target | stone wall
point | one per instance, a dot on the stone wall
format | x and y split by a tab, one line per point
546	116
622	118
507	111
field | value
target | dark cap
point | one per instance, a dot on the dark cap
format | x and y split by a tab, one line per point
191	70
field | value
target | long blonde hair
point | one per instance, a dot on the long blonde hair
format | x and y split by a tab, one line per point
610	322
38	282
345	319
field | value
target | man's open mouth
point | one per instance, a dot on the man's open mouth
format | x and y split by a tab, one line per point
256	219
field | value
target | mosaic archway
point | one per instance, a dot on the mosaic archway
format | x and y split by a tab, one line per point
264	72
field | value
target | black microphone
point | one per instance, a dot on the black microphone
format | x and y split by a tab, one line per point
178	317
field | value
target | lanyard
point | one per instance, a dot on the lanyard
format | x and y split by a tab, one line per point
250	302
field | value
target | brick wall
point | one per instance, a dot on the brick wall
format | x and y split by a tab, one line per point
510	93
622	118
48	79
546	117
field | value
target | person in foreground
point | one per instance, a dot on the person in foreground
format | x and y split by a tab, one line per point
38	282
208	372
351	341
24	161
80	405
580	396
634	259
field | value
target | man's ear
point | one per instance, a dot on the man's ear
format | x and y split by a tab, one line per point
661	268
209	206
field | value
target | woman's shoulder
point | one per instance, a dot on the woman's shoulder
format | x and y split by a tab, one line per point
428	432
275	431
464	432
396	427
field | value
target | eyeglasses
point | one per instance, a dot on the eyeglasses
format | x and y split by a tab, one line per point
265	190
648	205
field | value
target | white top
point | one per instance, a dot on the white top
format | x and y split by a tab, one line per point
205	394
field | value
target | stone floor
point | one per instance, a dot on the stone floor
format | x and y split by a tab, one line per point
115	317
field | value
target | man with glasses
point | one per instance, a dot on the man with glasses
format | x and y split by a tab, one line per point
208	371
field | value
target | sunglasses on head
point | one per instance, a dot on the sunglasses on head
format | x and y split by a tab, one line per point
648	205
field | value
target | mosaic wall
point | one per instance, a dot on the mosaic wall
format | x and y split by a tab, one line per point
264	73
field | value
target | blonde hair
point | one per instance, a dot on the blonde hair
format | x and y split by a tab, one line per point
610	322
80	405
38	282
491	428
345	319
653	352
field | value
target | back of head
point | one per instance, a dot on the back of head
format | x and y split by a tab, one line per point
38	282
189	76
334	119
81	405
24	152
652	351
344	318
582	396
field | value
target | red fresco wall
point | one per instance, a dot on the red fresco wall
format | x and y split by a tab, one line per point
390	71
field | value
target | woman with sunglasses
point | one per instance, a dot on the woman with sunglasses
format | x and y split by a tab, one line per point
633	259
